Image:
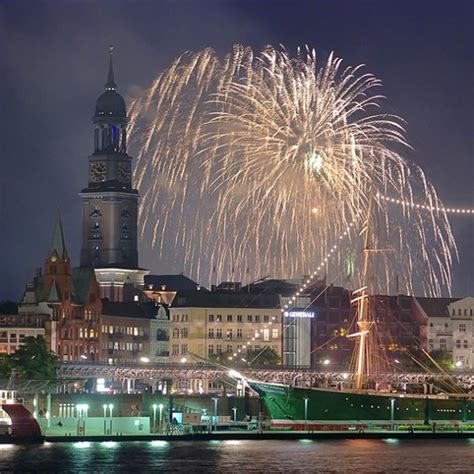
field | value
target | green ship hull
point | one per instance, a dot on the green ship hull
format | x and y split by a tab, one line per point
299	406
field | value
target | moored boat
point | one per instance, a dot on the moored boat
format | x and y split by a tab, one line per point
311	407
296	406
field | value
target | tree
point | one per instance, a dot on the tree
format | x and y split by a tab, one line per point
265	356
5	366
443	358
33	360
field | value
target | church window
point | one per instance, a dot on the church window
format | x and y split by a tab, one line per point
124	226
53	269
96	225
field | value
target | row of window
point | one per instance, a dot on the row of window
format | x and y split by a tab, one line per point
265	333
465	344
77	350
82	333
239	318
179	317
461	326
177	333
218	334
88	315
129	330
460	311
123	346
13	336
240	349
175	349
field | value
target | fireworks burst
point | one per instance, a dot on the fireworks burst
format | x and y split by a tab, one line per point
254	165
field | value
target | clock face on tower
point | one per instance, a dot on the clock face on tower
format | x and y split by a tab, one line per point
98	172
124	172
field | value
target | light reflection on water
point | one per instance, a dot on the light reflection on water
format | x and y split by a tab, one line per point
391	455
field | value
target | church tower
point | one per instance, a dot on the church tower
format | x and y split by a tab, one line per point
110	203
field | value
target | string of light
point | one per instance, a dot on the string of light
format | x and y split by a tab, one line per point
402	202
316	273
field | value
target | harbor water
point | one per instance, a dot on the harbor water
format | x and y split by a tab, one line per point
305	456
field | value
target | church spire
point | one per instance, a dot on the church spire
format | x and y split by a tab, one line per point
58	245
110	85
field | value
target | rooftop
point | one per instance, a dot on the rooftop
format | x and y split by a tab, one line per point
171	283
435	307
129	310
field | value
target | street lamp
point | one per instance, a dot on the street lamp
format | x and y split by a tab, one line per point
154	406
81	409
104	406
111	407
160	406
306	413
215	399
392	410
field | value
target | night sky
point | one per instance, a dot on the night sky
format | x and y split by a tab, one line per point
53	62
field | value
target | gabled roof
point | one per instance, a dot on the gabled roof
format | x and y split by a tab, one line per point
171	282
129	310
273	286
435	307
58	245
81	281
53	296
217	299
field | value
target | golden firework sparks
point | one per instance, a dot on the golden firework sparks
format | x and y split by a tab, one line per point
256	163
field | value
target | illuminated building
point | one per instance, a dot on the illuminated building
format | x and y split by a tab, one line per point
451	328
223	324
125	332
68	302
14	328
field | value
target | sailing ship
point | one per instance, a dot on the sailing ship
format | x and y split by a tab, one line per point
299	407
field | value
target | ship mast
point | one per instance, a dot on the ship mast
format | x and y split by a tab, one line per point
364	317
